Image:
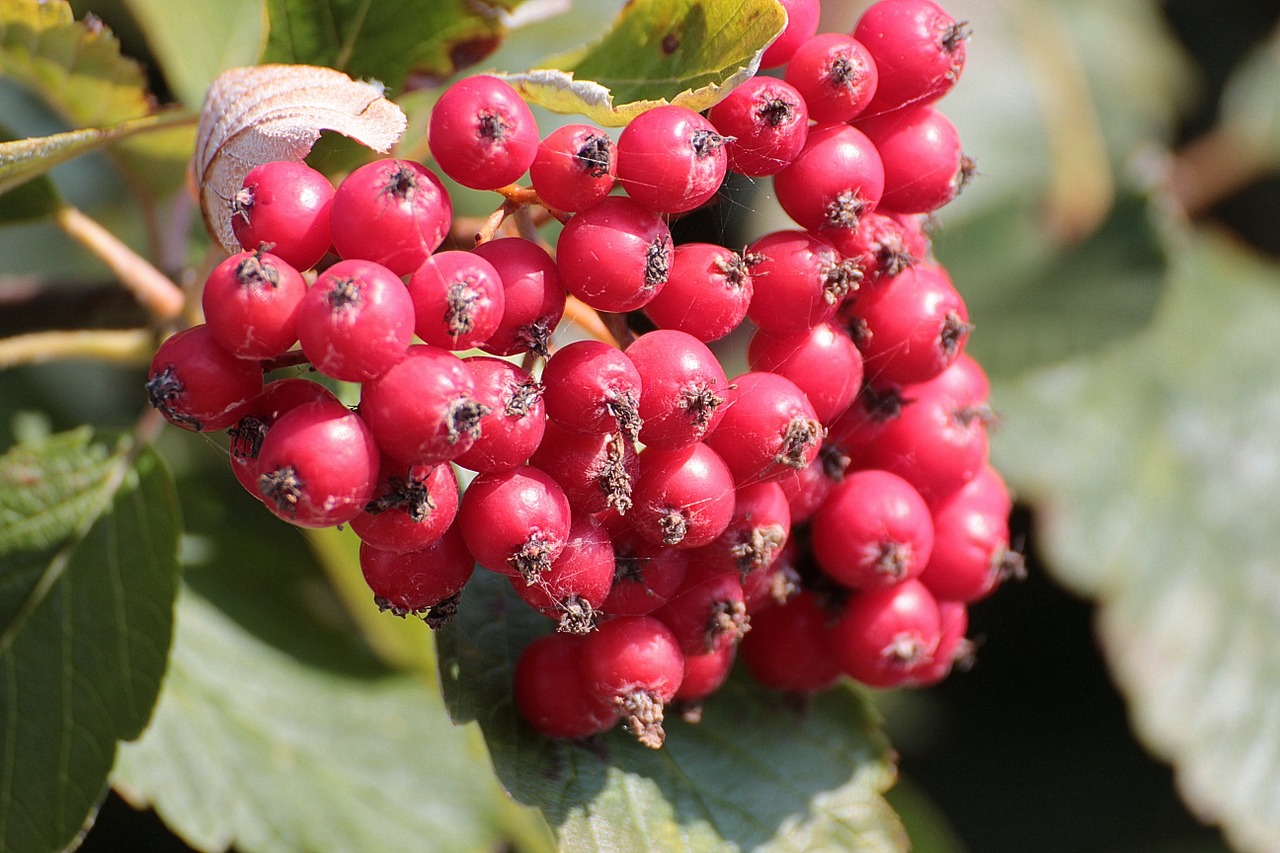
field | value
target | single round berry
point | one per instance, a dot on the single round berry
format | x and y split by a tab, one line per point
574	587
874	530
802	23
823	362
515	522
515	418
971	553
426	582
592	388
707	293
458	300
708	611
758	531
423	410
671	159
835	179
787	647
835	75
684	387
769	428
533	299
198	385
318	465
250	302
412	506
924	165
881	247
953	649
886	637
704	674
919	51
356	321
259	415
482	133
646	574
615	256
551	690
597	471
393	212
766	122
574	168
800	281
635	663
682	497
285	206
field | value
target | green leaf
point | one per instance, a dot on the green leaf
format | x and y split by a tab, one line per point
194	40
754	774
658	51
1154	472
88	542
77	69
401	43
252	747
28	193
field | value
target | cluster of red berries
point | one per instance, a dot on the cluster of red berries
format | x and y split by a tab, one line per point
836	499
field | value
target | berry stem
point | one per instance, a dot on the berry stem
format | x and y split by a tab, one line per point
152	288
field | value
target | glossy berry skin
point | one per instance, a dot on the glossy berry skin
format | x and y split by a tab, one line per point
705	673
915	330
592	388
551	690
259	415
356	321
766	122
615	256
412	506
482	133
887	637
708	612
515	522
576	584
250	302
775	585
924	165
394	212
919	50
758	531
953	649
574	168
684	387
707	292
423	410
533	297
512	427
287	205
458	300
881	247
768	430
836	178
971	553
802	23
198	385
787	647
682	497
874	530
646	574
823	362
418	581
671	159
634	662
800	281
835	75
597	471
318	465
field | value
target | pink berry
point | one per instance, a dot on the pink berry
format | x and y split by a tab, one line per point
924	165
802	23
482	133
684	387
198	385
887	637
766	122
458	300
423	410
769	429
707	292
800	281
592	388
873	530
426	582
836	178
575	167
285	206
250	302
393	212
356	321
576	584
835	75
533	297
919	51
515	522
823	362
682	497
411	507
615	256
671	159
511	428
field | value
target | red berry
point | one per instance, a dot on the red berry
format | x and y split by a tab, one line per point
318	465
682	497
953	649
592	388
881	247
802	23
574	168
823	362
671	159
515	522
684	387
769	428
482	133
887	637
551	690
458	300
533	300
788	646
198	385
708	611
356	321
646	574
392	212
835	179
635	663
971	553
426	582
259	415
512	427
597	471
759	529
874	530
286	206
800	281
919	51
707	292
924	165
766	122
250	302
423	410
835	75
411	507
615	256
574	587
704	674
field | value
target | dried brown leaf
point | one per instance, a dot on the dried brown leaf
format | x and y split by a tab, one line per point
262	113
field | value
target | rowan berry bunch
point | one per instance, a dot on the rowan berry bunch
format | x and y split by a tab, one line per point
836	499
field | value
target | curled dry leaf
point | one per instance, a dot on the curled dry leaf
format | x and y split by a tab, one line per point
276	112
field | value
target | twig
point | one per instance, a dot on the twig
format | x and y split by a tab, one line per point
587	318
122	346
157	293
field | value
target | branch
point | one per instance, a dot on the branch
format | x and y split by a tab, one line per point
157	293
122	346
